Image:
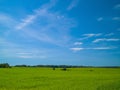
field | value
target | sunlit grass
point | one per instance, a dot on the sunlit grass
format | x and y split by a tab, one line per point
48	79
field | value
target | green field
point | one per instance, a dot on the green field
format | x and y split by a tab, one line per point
48	79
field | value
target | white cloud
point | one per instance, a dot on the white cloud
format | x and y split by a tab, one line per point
72	4
38	12
75	49
47	26
118	29
94	48
103	48
26	21
89	35
31	56
5	20
117	6
92	35
16	52
31	53
24	53
78	43
100	19
116	18
105	39
24	56
10	49
5	43
109	34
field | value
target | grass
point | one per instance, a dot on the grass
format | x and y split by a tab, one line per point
48	79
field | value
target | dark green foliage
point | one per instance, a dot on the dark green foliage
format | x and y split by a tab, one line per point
21	65
4	65
65	66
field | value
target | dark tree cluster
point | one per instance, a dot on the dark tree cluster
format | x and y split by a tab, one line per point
4	65
64	67
21	65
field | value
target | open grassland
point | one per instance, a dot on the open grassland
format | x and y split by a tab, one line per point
48	79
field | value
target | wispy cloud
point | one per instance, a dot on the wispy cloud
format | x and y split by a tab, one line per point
31	56
100	19
37	12
92	35
89	35
26	21
117	6
105	39
19	52
103	48
13	50
23	56
116	18
78	43
5	43
109	34
72	4
47	26
94	48
75	49
118	29
6	20
24	53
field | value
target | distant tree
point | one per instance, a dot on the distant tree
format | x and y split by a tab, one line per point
4	65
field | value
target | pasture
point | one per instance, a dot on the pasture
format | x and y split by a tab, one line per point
28	78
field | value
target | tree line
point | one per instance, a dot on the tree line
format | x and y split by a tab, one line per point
6	65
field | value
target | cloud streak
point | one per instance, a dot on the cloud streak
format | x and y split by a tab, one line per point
116	18
89	35
103	48
117	6
38	12
92	35
26	21
109	34
19	52
72	4
31	56
78	43
6	20
13	50
100	19
76	49
105	39
47	26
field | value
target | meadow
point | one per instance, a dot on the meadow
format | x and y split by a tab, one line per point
28	78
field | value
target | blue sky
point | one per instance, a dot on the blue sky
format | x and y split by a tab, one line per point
72	32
